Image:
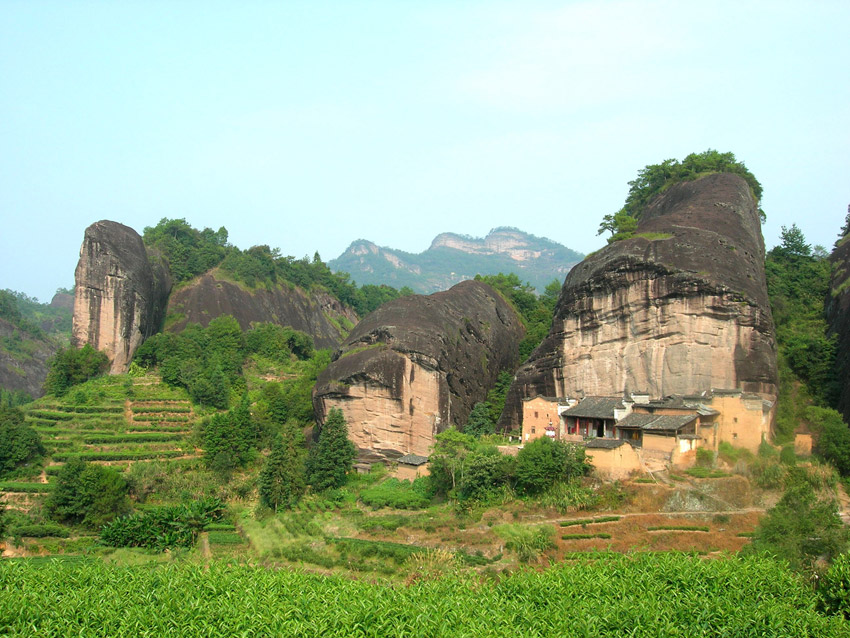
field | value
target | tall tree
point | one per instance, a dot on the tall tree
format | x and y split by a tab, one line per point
282	480
333	455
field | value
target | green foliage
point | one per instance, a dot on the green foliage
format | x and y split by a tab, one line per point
802	527
87	494
19	443
480	420
163	527
679	595
189	252
283	480
656	178
496	395
13	398
543	462
535	312
38	530
72	366
834	587
798	283
34	319
487	474
333	456
229	439
448	460
705	457
833	440
278	343
395	493
527	542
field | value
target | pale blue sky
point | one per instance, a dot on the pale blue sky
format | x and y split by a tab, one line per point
307	125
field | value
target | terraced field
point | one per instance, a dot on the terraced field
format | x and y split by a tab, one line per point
122	420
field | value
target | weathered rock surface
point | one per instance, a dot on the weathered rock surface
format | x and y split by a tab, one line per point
680	310
838	318
120	294
209	296
417	365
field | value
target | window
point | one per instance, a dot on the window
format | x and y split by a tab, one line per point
535	414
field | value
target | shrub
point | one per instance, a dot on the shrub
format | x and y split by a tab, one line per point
834	587
72	366
46	530
395	493
87	494
163	527
705	457
20	443
528	543
544	461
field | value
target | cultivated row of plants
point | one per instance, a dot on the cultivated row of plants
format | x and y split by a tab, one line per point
644	595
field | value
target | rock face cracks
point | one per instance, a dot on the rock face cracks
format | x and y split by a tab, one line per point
121	292
417	365
680	308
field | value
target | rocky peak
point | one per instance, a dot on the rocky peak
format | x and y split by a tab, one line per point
417	365
680	308
121	292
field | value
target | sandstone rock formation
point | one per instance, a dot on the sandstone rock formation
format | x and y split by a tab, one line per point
680	308
838	318
416	366
121	292
209	296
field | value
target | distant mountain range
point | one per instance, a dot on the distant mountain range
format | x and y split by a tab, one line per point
452	258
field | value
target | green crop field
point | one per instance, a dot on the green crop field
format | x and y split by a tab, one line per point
646	595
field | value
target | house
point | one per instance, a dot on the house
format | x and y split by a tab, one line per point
411	466
614	459
543	416
672	438
595	417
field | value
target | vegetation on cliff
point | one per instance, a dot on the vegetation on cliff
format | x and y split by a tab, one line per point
191	252
656	178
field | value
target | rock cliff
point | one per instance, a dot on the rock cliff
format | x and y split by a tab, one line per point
121	292
417	365
838	318
210	295
679	308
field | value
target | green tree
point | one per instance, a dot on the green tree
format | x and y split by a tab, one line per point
448	460
229	439
333	455
72	366
87	494
802	527
793	242
543	462
20	443
833	437
486	472
283	477
480	420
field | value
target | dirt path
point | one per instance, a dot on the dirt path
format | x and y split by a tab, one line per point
204	545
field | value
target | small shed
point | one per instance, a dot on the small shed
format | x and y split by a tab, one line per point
411	466
612	458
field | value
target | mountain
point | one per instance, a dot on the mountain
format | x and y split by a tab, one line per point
453	258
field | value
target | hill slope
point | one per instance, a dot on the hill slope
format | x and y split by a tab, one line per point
452	258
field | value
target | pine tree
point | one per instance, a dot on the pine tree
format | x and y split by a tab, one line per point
282	480
333	456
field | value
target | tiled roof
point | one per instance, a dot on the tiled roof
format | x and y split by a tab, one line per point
413	459
596	408
656	422
603	444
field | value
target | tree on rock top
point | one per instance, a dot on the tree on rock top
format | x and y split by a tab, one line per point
333	456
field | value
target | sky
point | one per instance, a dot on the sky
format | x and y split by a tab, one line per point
306	125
